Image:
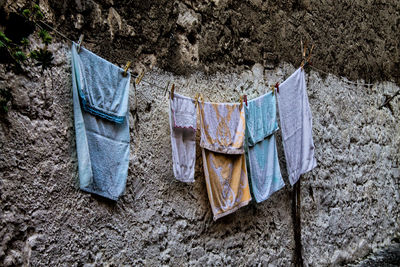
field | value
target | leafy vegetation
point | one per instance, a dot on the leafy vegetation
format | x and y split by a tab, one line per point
5	97
18	53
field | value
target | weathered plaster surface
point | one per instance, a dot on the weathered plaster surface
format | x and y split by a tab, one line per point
350	202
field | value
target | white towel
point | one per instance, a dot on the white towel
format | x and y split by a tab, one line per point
182	118
296	123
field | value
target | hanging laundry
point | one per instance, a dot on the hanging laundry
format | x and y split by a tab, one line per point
222	140
183	123
100	97
261	153
296	122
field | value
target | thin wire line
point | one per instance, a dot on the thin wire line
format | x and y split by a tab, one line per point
350	82
48	26
164	88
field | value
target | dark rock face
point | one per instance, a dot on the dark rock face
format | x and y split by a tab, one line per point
388	257
356	39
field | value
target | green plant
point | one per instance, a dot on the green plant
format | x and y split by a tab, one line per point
25	42
45	36
17	53
5	97
43	57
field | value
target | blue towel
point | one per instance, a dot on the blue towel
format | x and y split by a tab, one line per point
261	154
100	97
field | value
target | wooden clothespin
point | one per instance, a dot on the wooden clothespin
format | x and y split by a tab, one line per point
273	89
166	88
277	87
306	60
241	102
172	91
196	99
201	99
303	62
128	64
309	56
80	42
140	77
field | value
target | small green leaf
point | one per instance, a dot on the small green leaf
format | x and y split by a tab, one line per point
24	42
5	97
4	38
26	13
20	56
33	54
43	57
45	36
39	15
36	7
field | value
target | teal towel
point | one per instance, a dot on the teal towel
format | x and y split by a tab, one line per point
100	97
261	154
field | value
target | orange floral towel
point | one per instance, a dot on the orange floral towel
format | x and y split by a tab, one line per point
222	139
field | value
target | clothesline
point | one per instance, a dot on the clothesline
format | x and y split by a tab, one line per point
342	78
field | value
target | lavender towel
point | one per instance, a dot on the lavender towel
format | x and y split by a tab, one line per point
183	122
296	123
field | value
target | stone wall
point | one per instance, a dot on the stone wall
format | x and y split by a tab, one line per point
350	202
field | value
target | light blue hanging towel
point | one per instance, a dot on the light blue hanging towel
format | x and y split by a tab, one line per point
261	153
100	97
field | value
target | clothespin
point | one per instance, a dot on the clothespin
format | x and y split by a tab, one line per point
245	99
80	42
309	56
303	62
277	87
273	89
201	99
166	88
196	99
301	46
128	64
172	91
241	102
306	61
139	78
305	50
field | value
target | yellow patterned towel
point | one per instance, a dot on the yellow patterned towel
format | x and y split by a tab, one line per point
222	130
223	127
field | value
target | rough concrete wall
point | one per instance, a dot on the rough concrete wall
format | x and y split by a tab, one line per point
350	202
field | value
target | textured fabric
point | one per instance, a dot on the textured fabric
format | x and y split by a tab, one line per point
261	153
226	180
183	112
296	123
101	86
260	118
183	137
223	127
223	130
100	98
